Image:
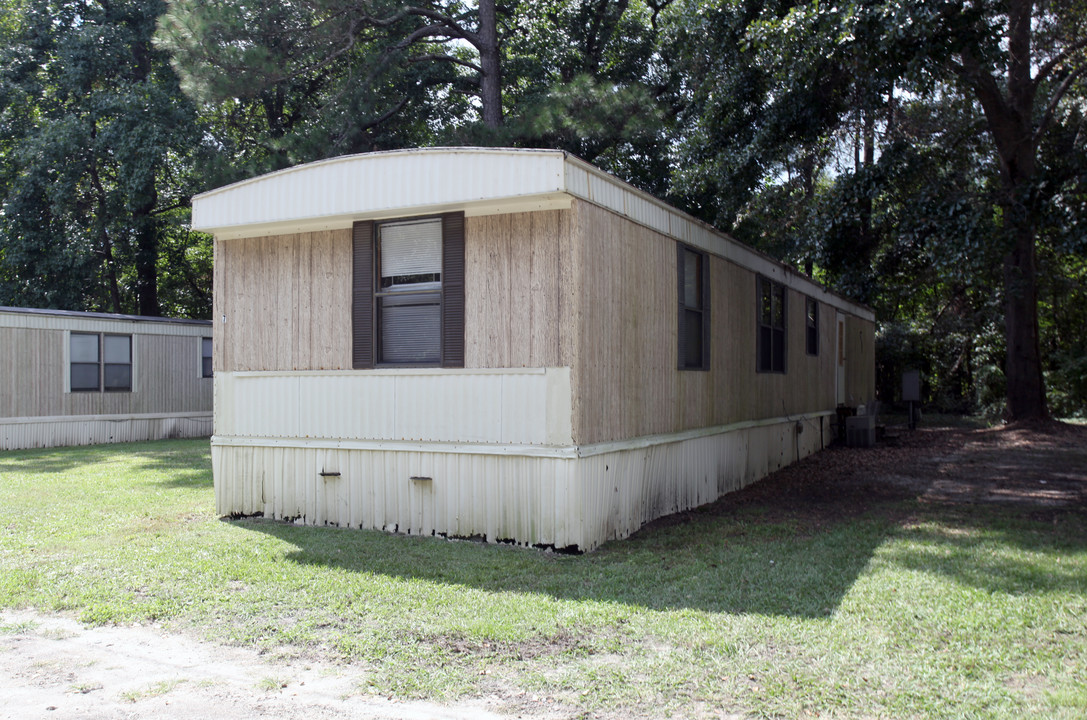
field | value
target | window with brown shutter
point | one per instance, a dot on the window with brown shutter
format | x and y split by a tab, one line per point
408	293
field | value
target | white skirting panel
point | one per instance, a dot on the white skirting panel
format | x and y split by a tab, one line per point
576	502
525	405
23	433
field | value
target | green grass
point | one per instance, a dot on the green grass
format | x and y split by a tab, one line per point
905	610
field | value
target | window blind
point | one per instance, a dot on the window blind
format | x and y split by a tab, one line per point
411	253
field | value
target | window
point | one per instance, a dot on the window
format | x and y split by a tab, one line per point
100	362
408	296
771	321
85	361
205	357
811	319
694	304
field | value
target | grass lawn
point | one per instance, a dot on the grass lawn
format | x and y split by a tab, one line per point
900	609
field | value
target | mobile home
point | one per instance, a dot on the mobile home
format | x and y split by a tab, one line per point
506	344
80	378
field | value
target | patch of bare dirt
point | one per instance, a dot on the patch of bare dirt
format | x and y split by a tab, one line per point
1039	467
54	668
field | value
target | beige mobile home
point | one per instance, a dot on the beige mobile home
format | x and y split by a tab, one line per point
507	344
79	378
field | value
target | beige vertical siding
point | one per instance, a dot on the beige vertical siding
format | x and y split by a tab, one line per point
584	288
626	375
286	300
626	360
32	373
515	267
860	355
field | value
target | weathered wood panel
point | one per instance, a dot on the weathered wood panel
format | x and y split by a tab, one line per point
626	346
283	302
627	382
514	274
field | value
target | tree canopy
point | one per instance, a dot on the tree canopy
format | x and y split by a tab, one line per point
927	158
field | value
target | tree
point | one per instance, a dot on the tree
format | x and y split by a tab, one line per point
306	79
587	77
96	131
792	70
234	48
1019	106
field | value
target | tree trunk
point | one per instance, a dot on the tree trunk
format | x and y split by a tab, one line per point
144	226
147	253
1026	388
1010	119
490	80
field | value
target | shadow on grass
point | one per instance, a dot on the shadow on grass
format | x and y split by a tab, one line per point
183	463
738	564
742	564
793	544
998	551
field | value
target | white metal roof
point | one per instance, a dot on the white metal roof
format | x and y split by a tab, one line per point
49	319
333	194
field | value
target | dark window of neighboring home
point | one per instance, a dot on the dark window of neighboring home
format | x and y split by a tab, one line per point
811	319
408	297
205	357
771	350
694	305
85	362
100	362
117	368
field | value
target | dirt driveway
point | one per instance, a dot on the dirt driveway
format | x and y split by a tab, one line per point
54	667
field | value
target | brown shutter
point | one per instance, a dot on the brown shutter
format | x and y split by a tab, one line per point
362	298
453	289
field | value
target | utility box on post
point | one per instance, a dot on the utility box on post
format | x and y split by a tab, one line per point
911	394
911	386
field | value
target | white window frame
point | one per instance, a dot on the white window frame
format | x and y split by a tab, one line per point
200	357
67	355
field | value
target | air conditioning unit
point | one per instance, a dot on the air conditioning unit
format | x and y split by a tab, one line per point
860	431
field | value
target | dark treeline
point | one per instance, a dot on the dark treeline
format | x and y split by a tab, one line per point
927	158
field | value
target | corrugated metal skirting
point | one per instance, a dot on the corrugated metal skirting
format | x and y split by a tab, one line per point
560	502
97	430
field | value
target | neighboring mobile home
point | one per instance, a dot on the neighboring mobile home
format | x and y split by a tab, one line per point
506	344
80	378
